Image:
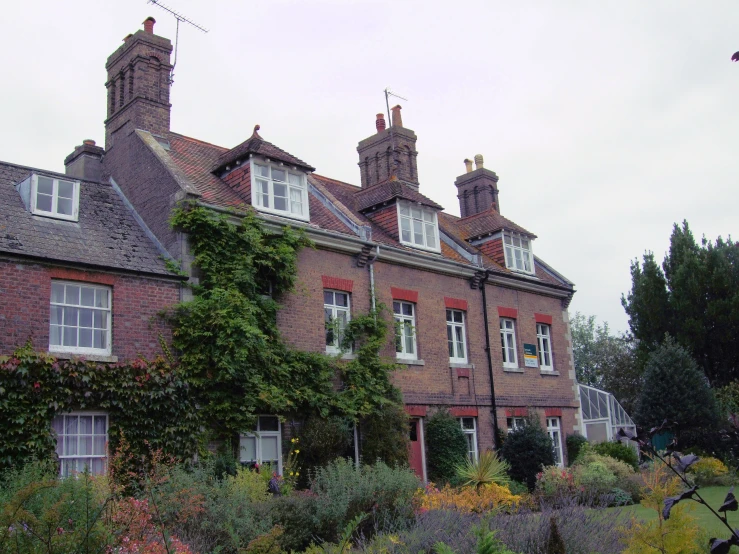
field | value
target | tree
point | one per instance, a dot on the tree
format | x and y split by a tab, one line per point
675	390
694	297
447	446
528	449
604	360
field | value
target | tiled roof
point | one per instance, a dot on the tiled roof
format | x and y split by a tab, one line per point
484	223
382	192
257	145
106	235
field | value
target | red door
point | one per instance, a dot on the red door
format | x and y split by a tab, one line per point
416	447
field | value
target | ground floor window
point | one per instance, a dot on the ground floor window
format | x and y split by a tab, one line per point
514	423
82	442
555	433
263	445
469	428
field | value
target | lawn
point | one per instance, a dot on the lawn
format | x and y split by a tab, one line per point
714	528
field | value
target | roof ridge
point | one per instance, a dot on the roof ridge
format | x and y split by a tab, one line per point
336	181
193	139
55	173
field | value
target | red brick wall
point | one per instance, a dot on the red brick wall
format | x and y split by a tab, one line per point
240	180
387	220
25	293
494	249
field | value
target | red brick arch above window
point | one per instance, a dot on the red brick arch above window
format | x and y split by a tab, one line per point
455	303
404	294
543	318
85	276
553	412
508	312
337	283
464	411
517	412
416	411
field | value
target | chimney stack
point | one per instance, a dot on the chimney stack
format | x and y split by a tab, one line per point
380	122
477	189
397	119
149	25
478	161
468	165
85	162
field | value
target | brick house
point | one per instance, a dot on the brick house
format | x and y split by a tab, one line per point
482	323
78	277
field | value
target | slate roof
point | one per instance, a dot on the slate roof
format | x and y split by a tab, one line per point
106	235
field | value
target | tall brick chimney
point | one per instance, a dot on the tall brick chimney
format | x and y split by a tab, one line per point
376	160
138	85
477	189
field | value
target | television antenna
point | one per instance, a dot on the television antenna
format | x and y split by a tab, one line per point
179	17
388	93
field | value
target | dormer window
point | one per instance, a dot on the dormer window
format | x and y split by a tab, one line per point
418	226
518	255
279	190
52	197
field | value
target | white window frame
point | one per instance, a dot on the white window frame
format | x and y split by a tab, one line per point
508	342
335	310
257	435
554	429
405	328
471	436
302	187
54	213
544	339
518	252
514	423
427	219
71	463
454	331
64	305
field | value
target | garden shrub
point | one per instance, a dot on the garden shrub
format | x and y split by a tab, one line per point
487	468
626	478
487	498
447	446
574	443
384	434
620	497
517	487
619	451
321	441
528	449
710	471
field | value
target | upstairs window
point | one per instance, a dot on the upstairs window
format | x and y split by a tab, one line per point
518	255
80	318
508	343
57	198
418	226
405	329
336	317
544	338
455	336
276	189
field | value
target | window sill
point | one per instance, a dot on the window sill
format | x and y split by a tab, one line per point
87	357
458	365
513	370
549	372
407	361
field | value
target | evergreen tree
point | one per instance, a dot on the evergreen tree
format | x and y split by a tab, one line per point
675	390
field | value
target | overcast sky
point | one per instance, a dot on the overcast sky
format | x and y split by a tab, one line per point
605	121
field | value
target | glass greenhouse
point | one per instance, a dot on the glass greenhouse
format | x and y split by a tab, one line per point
602	415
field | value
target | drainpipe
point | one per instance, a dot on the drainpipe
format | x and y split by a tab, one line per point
493	407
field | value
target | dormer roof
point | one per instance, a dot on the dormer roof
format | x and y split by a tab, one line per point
487	223
388	190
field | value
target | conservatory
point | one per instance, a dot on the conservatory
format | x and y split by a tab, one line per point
602	416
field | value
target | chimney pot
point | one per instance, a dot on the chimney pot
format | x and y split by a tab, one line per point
128	36
478	161
468	164
89	142
397	119
380	122
149	25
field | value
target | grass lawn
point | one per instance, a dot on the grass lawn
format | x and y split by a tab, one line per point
713	527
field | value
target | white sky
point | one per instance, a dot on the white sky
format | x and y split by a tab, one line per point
606	121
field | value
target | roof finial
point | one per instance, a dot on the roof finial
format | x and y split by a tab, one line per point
255	134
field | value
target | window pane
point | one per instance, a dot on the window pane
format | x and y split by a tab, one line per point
248	449
100	339
45	185
342	299
70	446
64	206
269	423
417	232
85	338
85	318
415	212
460	342
404	210
55	335
430	236
328	319
458	317
295	180
262	170
328	297
66	189
87	297
56	315
100	320
507	239
280	203
449	315
99	428
278	175
70	316
70	336
407	309
73	295
450	340
85	445
43	202
428	216
396	307
57	292
101	298
85	425
269	449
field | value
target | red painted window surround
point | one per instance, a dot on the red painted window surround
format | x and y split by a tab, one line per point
508	312
455	303
464	411
404	294
463	372
337	283
553	412
517	412
543	318
85	276
416	411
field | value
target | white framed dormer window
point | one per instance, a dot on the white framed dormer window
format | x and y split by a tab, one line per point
264	444
279	190
455	336
508	342
405	330
518	256
469	428
336	317
80	318
419	226
53	197
81	442
544	338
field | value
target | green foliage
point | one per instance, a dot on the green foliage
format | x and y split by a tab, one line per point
269	543
694	297
446	446
619	451
488	468
147	402
322	440
675	390
528	449
574	444
487	543
384	435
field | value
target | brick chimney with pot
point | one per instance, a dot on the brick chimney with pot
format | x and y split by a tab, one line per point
477	189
